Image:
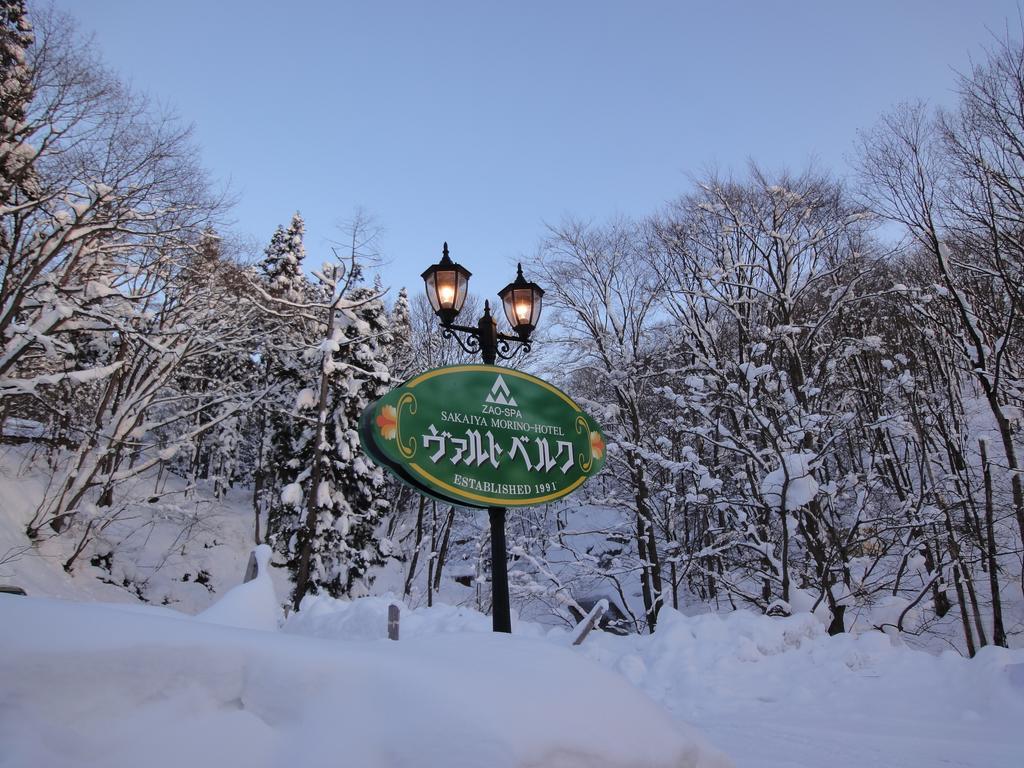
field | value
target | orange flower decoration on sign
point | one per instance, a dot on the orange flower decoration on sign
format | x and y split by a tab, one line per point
387	422
596	445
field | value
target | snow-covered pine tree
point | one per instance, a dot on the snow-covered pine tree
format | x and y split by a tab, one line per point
402	357
366	377
402	501
17	175
337	496
329	352
282	261
286	332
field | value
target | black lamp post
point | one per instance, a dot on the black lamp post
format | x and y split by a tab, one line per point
446	284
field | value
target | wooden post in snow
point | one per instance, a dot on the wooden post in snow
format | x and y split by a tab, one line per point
393	616
252	569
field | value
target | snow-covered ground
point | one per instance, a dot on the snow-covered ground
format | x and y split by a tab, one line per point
99	679
168	546
774	692
100	685
113	685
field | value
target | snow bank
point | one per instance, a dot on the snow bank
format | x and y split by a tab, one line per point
774	691
87	685
778	691
252	605
176	551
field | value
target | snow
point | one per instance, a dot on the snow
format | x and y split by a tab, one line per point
92	685
291	495
695	383
323	495
801	487
781	692
99	684
773	691
253	605
366	619
172	550
754	372
305	399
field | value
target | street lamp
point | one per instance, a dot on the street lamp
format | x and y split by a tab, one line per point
522	301
446	284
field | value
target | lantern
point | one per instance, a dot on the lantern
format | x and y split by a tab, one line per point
446	283
522	302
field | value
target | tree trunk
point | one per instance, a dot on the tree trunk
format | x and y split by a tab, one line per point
414	560
442	553
998	631
838	625
312	504
647	548
964	620
964	580
645	577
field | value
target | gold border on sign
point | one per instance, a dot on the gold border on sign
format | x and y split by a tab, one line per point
581	421
501	371
410	450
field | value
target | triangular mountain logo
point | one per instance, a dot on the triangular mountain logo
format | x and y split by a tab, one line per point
500	394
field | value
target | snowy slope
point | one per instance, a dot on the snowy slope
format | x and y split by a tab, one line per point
91	685
781	692
776	692
178	549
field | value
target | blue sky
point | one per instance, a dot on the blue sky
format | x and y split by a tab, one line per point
477	122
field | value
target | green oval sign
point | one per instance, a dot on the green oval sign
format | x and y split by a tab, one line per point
483	436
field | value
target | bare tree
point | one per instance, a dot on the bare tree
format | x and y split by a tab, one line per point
940	177
762	273
953	181
606	290
116	189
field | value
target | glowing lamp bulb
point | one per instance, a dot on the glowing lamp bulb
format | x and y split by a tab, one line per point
446	295
523	311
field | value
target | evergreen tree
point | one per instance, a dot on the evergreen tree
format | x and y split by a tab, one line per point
336	496
16	155
402	356
327	355
286	334
282	261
